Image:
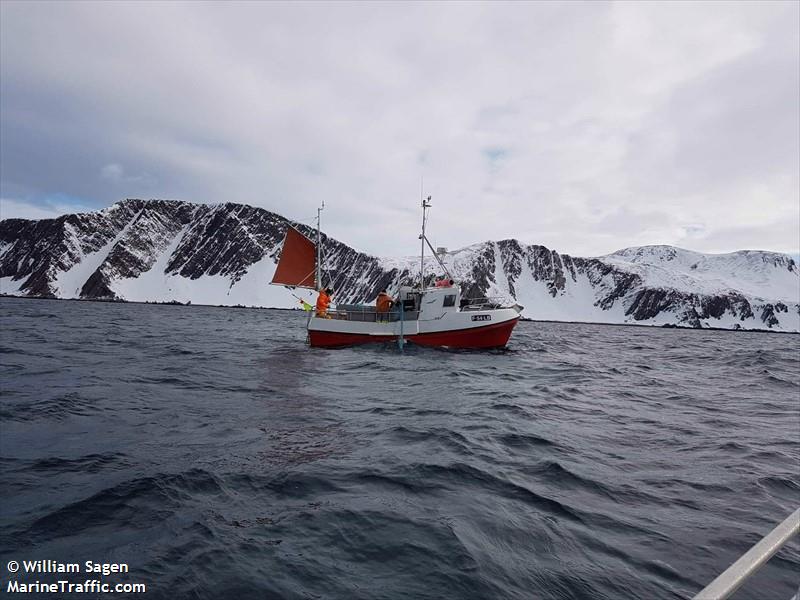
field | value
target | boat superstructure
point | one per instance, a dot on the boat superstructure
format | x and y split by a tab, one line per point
423	315
431	317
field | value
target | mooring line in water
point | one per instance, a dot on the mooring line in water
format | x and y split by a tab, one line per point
400	341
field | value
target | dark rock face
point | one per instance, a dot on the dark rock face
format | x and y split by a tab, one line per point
547	265
481	274
196	240
97	287
650	302
716	306
623	282
768	316
225	240
511	254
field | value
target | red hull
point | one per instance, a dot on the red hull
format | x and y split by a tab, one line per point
489	336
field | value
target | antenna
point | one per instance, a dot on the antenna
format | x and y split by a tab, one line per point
426	204
319	246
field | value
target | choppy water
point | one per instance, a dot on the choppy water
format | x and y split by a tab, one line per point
218	456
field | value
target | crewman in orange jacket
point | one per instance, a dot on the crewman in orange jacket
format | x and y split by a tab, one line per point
323	302
444	281
384	302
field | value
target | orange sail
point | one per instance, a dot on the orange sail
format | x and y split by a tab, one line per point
297	266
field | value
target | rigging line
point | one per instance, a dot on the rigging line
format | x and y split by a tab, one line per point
325	260
307	275
306	223
291	291
439	260
301	280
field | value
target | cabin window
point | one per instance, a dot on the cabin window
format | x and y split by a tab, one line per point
449	300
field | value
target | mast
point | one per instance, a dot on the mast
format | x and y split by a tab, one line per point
426	204
319	247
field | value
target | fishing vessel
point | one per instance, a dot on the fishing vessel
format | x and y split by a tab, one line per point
423	315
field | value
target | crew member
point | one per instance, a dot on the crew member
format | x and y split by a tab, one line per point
384	302
444	281
323	302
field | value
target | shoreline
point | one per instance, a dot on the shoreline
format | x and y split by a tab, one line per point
522	319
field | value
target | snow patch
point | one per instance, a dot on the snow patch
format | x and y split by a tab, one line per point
9	286
70	282
761	275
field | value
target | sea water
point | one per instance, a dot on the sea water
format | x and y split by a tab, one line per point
215	455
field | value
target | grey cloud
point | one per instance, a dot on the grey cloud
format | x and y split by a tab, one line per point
586	127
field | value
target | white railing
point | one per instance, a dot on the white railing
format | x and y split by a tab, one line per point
735	575
484	303
367	313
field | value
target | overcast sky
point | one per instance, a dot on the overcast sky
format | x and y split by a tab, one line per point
586	127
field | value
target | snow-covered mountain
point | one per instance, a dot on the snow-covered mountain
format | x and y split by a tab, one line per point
161	250
654	285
